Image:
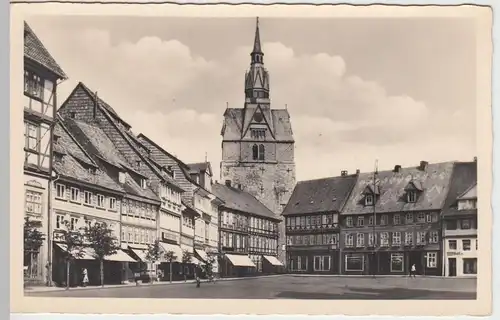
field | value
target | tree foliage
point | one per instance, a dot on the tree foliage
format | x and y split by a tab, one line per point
186	257
99	237
153	253
33	237
170	256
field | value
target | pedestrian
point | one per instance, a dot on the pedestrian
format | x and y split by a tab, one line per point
413	270
85	277
197	274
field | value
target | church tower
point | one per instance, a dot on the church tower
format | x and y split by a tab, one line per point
258	144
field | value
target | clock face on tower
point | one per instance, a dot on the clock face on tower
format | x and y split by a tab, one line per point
258	117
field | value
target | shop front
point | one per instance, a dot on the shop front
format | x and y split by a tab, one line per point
174	269
237	265
271	265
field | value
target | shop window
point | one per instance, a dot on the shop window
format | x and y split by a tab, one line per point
431	260
321	263
354	262
397	262
470	265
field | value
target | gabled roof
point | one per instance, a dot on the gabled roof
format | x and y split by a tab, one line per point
434	180
98	144
280	123
464	178
320	195
201	166
242	201
75	162
36	51
414	185
371	189
470	194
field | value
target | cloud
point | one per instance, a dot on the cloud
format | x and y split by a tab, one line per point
177	98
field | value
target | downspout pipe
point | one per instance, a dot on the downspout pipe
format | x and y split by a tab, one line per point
49	232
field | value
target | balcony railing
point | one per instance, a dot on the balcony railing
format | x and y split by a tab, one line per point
314	227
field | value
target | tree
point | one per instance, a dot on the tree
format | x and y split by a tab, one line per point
170	257
186	259
153	254
99	237
209	263
33	240
71	238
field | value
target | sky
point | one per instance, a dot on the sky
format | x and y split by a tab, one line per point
358	90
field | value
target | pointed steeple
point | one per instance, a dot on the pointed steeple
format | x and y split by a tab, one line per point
257	54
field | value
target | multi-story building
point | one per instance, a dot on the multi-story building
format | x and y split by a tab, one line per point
200	205
460	246
41	74
83	194
248	234
392	220
312	224
85	107
258	143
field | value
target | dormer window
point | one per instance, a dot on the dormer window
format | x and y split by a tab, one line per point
144	183
121	177
369	200
411	196
258	133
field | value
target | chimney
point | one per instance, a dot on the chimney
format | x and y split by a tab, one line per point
228	183
423	165
475	159
397	168
357	171
343	173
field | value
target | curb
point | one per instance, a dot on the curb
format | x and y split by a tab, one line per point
29	290
377	276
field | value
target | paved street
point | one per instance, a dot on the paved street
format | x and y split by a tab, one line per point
292	287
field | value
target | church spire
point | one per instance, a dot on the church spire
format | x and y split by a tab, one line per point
257	54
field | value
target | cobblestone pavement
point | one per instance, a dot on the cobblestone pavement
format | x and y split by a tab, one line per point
292	287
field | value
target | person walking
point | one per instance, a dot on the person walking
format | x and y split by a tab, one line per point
85	277
413	270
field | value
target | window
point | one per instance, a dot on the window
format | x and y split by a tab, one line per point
428	218
100	200
396	238
465	224
143	183
32	136
466	245
421	217
321	263
258	152
396	219
408	238
60	191
421	237
370	239
409	218
112	203
397	260
354	262
59	221
261	152
452	244
476	244
38	94
370	220
369	200
433	237
33	203
412	196
87	197
470	265
384	239
299	263
73	223
361	221
431	259
75	194
383	220
349	240
360	240
37	139
348	221
258	133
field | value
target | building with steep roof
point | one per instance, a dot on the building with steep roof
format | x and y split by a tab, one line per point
83	193
460	245
258	143
248	233
391	220
41	74
312	224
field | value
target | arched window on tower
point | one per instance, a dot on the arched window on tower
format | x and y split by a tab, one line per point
261	152
255	152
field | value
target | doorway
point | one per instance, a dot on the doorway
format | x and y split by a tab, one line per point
452	267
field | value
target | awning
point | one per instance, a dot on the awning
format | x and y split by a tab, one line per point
172	247
120	256
273	260
140	253
202	253
240	260
194	260
84	254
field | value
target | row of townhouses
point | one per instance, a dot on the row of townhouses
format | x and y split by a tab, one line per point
83	163
385	222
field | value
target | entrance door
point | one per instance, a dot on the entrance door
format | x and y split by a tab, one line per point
452	267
